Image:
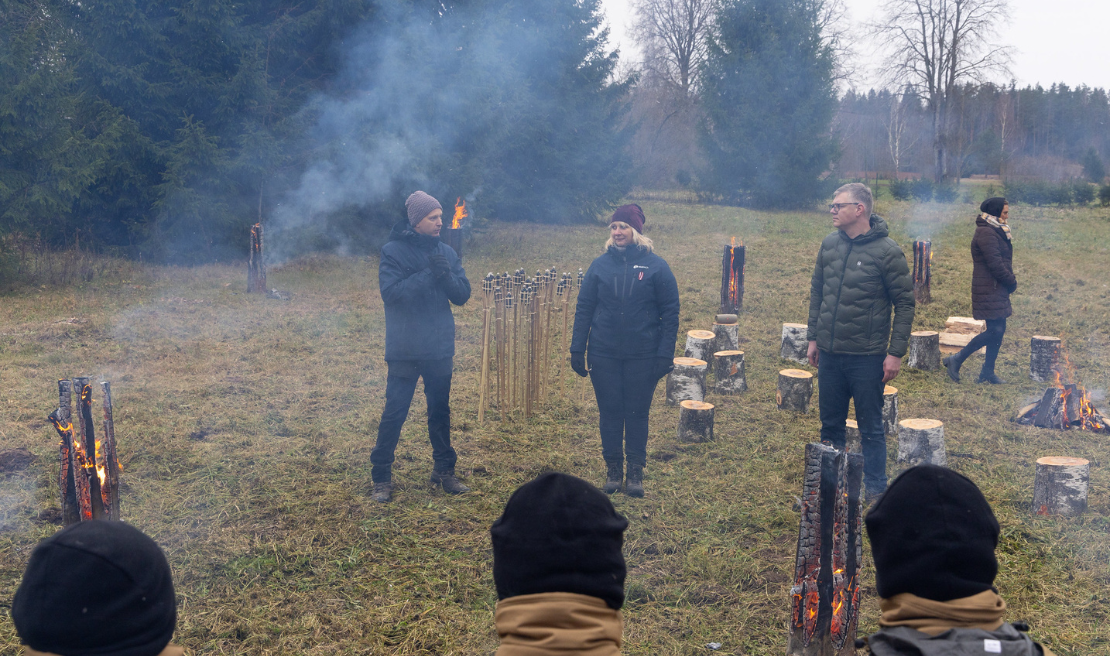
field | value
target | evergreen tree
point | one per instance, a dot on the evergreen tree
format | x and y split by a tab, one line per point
1093	168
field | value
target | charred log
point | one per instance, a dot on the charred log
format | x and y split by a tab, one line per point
732	279
922	271
256	268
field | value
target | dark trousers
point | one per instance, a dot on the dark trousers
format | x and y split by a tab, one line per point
842	377
992	339
624	389
400	386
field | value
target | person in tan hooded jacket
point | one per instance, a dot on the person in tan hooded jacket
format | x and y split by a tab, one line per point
933	537
559	570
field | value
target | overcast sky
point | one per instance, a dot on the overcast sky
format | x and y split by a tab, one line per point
1053	40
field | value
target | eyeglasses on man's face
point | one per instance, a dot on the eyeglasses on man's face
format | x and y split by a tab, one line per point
835	207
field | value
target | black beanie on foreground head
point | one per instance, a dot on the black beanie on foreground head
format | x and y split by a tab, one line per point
933	534
559	534
96	588
993	206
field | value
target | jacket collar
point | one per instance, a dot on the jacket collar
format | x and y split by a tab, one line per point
402	231
979	611
631	253
879	229
557	623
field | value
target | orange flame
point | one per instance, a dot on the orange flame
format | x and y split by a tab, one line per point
460	213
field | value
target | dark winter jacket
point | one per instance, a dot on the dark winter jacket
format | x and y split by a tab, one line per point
418	320
992	280
855	284
627	307
904	641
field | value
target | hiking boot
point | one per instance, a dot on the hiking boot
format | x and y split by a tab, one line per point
448	482
953	367
993	379
634	483
383	492
613	477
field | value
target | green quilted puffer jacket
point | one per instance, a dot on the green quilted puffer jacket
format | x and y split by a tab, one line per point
855	284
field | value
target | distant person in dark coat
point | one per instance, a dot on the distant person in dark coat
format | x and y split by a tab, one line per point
933	537
627	320
419	277
992	282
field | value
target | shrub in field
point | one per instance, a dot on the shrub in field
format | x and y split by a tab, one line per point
945	192
900	189
1061	194
1104	195
1083	192
922	189
1093	168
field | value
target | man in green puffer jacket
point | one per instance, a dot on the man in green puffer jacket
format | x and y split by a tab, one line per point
861	274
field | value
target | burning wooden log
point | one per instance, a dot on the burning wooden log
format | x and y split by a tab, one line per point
453	236
687	381
732	278
256	268
890	411
67	485
1064	407
88	470
795	346
924	350
726	332
853	440
825	595
795	390
106	458
1060	486
1044	358
728	372
921	442
695	421
922	271
699	344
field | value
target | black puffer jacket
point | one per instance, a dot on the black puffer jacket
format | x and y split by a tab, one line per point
904	641
992	279
855	284
627	307
418	320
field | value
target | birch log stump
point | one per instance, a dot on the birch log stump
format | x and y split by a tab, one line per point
728	372
699	344
727	335
794	343
795	390
921	442
687	381
1060	486
695	421
890	411
853	440
1044	358
924	350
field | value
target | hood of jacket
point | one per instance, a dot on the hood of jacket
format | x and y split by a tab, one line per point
878	230
558	624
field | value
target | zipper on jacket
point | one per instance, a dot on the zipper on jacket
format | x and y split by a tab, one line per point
836	308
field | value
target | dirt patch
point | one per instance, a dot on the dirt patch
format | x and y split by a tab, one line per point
15	460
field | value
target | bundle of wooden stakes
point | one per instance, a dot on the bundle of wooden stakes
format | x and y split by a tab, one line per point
517	335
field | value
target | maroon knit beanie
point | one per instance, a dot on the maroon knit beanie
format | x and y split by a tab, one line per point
632	214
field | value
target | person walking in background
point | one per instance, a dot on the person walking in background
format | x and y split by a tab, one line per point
992	282
933	537
627	320
559	570
860	275
419	277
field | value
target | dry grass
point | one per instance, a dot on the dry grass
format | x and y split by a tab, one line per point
246	424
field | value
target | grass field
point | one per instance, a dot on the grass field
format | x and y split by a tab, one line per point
245	427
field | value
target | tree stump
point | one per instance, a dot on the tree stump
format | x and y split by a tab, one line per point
727	336
921	442
924	350
687	381
794	343
728	372
795	390
890	411
699	344
853	439
1044	358
695	421
1060	486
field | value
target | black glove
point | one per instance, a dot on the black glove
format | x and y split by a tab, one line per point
439	265
663	366
578	363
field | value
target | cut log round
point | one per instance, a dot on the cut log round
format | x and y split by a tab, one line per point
794	342
1060	486
727	336
795	390
699	344
1044	358
921	442
924	350
890	411
695	421
687	381
853	440
728	372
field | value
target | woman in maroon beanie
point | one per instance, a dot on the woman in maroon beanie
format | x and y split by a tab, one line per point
627	320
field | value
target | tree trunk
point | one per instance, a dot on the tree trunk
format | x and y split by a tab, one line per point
728	372
687	381
695	422
920	442
795	346
853	441
1060	486
699	344
794	390
890	411
1044	358
727	336
924	350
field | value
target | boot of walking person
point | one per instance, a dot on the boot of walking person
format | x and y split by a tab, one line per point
448	481
614	477
634	483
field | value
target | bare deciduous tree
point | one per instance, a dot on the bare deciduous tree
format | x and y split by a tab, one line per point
672	35
937	45
896	139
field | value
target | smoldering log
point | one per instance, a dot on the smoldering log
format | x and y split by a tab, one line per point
728	373
1050	411
90	446
922	271
921	442
1060	486
795	346
256	267
1044	358
80	458
699	344
452	237
110	490
695	421
732	279
890	411
687	381
795	389
63	423
924	350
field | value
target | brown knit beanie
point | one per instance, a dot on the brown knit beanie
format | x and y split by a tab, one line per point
420	205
